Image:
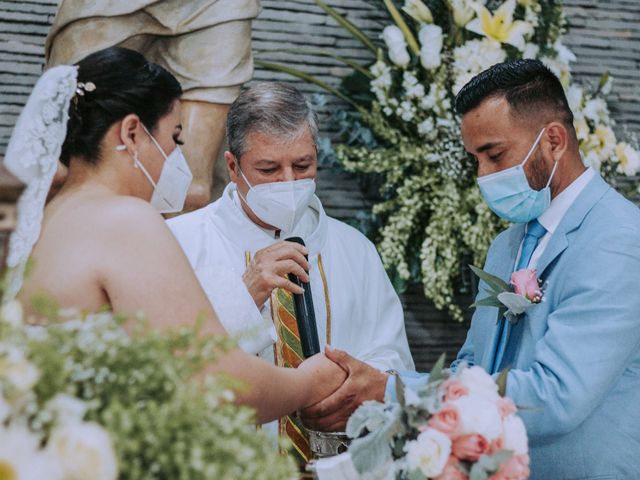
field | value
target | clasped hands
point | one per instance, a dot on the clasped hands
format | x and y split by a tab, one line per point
362	382
267	271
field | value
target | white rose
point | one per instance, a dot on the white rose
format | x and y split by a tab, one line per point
515	435
84	450
397	45
479	415
21	458
12	313
15	367
479	382
67	409
429	452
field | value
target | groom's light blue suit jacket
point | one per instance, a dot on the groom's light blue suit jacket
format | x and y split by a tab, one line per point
576	373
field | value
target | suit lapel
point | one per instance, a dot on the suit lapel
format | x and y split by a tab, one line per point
572	220
505	263
501	265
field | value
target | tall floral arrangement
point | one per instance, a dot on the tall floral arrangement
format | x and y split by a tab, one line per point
402	130
83	399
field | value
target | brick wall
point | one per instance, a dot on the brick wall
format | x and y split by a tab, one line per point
605	35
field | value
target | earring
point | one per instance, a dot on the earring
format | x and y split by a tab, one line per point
120	148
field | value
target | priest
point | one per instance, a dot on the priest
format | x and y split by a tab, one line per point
237	247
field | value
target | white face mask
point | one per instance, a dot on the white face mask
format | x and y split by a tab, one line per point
170	192
280	204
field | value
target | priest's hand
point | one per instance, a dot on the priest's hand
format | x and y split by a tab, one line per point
363	383
269	267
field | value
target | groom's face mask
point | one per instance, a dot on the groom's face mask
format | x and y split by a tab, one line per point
509	194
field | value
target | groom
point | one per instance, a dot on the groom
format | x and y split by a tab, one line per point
574	357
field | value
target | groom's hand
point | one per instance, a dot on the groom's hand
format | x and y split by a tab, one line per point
363	383
269	267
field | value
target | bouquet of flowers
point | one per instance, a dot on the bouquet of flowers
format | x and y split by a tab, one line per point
82	399
402	132
457	427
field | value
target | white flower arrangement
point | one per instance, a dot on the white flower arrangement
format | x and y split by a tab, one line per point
83	399
402	129
458	426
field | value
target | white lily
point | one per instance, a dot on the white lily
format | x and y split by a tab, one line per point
501	26
463	11
418	11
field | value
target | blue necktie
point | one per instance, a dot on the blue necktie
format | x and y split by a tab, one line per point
510	337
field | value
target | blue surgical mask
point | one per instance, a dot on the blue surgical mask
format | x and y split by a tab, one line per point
509	194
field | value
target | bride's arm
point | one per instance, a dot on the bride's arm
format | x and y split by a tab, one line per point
146	271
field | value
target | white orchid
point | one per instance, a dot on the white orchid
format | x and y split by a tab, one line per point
397	45
418	11
501	27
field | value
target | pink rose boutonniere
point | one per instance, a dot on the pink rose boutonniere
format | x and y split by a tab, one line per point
524	291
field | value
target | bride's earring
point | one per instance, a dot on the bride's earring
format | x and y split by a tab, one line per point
121	148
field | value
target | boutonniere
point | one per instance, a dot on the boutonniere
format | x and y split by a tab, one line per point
524	291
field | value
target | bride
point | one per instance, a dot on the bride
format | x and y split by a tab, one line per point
114	120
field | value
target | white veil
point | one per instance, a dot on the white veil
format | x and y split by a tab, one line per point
32	156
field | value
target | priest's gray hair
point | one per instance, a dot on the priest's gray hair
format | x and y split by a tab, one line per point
272	108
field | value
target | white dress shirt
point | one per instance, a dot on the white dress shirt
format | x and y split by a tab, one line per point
553	215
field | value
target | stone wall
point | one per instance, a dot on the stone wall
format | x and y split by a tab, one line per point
605	35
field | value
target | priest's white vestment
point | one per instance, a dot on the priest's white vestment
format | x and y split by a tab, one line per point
356	307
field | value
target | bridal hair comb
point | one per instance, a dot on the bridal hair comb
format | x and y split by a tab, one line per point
83	87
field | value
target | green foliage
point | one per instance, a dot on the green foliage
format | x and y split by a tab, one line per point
168	417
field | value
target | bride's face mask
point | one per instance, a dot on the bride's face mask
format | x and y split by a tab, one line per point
170	191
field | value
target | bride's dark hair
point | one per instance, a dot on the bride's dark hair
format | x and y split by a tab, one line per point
125	83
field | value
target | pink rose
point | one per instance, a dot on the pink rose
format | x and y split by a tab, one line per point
506	407
452	471
515	468
453	389
496	445
470	447
446	420
525	283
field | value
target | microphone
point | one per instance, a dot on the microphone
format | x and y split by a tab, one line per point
305	314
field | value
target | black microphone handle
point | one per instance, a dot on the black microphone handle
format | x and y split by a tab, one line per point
305	314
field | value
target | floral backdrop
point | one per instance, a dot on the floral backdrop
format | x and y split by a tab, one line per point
402	135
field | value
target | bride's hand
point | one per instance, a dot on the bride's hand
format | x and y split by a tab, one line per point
323	377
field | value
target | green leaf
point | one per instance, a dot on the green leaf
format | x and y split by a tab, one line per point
406	31
305	76
416	475
502	382
436	371
346	24
321	53
488	465
369	416
373	451
491	301
495	283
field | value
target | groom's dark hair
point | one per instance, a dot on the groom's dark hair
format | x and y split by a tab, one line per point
529	87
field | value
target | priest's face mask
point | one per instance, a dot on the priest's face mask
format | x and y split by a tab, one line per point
275	177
